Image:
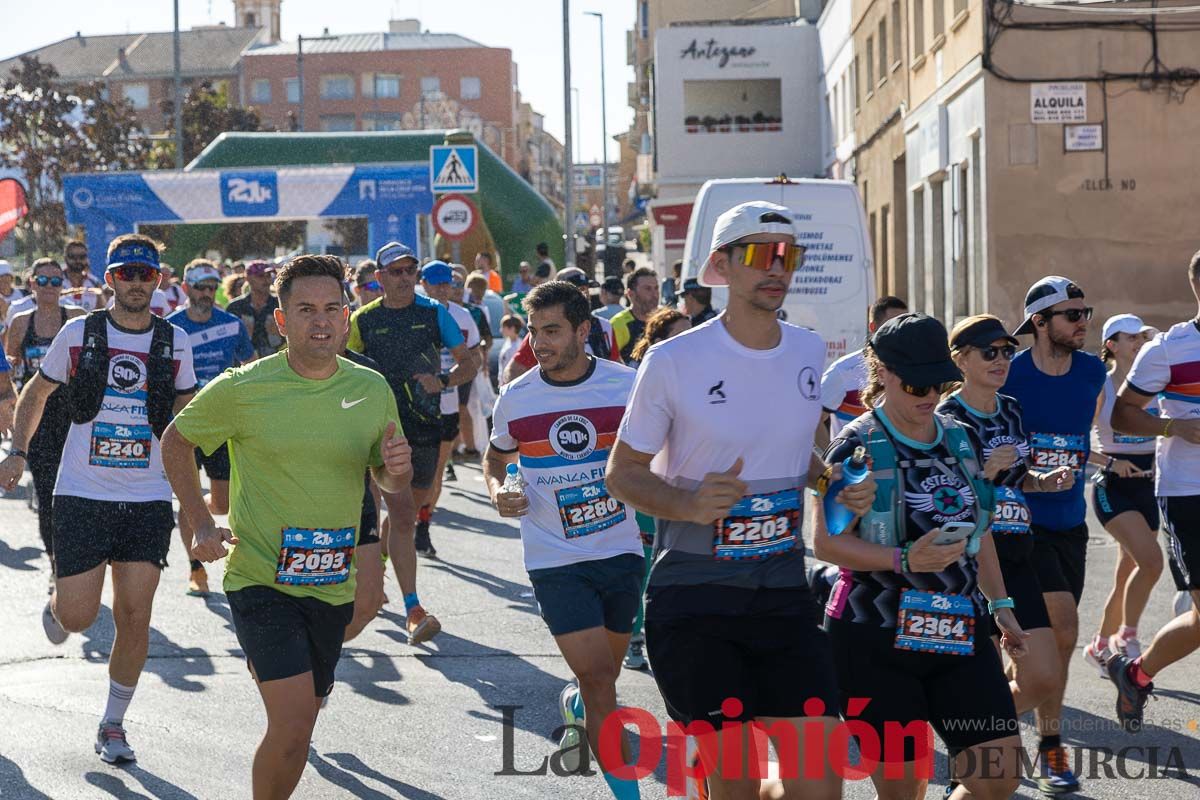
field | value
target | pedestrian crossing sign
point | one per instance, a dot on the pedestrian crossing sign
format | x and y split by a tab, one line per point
453	168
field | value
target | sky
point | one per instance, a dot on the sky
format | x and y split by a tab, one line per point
532	29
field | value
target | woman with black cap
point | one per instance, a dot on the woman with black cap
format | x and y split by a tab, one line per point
907	618
983	351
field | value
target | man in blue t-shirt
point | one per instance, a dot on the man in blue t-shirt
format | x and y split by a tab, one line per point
1057	385
219	341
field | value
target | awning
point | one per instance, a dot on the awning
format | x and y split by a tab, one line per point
674	216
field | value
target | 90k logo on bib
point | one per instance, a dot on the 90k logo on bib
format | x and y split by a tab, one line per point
573	437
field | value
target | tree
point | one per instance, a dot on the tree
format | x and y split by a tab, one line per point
207	113
47	132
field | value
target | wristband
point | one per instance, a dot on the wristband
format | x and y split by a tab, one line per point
1108	466
1166	432
904	566
19	453
999	603
897	565
444	377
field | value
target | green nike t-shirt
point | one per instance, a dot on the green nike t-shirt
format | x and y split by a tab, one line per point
298	449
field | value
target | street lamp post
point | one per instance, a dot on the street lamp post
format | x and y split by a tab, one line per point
568	178
575	92
300	40
604	134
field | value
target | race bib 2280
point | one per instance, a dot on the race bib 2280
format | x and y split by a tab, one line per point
588	509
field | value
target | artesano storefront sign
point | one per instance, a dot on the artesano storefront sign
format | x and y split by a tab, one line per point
723	54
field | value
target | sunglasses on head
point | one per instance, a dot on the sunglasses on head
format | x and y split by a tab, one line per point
131	273
762	255
371	286
992	352
46	280
922	391
396	272
1072	314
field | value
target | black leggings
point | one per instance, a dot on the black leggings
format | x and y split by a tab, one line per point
43	466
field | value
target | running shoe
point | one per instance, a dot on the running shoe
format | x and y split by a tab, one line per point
635	658
422	541
1131	648
569	745
451	475
1097	659
1054	771
111	744
55	632
1131	698
1183	603
198	583
421	626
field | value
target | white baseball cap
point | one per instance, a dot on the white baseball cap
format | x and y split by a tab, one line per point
202	272
744	220
1125	323
1049	291
5	267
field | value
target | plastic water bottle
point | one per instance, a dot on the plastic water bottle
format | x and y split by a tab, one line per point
854	470
513	483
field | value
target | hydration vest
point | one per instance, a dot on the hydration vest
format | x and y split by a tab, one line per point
87	384
599	340
886	522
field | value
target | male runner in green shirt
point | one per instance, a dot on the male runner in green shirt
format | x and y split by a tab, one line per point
302	426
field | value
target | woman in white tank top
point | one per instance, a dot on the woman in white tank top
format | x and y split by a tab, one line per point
1123	500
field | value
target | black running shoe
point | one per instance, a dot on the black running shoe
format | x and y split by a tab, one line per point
423	544
1131	698
451	475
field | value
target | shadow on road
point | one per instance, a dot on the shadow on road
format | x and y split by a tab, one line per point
12	782
504	589
461	523
367	679
174	664
158	788
22	559
351	763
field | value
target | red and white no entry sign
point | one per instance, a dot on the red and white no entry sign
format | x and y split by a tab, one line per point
454	216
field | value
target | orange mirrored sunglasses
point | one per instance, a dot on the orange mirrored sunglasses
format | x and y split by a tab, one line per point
762	256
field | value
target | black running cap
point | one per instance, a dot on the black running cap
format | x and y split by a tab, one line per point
915	346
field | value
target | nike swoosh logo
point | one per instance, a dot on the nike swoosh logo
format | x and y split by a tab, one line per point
352	404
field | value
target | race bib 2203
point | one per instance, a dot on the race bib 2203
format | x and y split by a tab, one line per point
759	526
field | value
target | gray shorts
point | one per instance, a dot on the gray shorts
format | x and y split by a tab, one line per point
590	594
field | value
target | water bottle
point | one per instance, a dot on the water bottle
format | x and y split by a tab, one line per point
513	483
854	470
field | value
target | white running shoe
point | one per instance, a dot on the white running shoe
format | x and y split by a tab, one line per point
1183	603
570	745
55	632
1097	659
111	744
1131	648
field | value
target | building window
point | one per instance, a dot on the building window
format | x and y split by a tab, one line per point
855	89
383	85
883	60
293	90
469	88
896	30
644	19
883	263
260	91
430	85
138	94
741	106
337	87
978	268
918	28
939	18
962	264
381	122
337	122
937	250
870	87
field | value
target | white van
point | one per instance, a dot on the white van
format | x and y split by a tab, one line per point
832	292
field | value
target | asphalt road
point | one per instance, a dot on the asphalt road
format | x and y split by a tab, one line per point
424	722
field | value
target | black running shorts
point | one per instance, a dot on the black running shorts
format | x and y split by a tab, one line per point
770	664
424	464
88	533
284	636
1118	495
1060	558
1022	584
450	425
215	466
965	698
1181	517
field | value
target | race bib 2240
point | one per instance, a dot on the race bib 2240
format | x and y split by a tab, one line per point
120	446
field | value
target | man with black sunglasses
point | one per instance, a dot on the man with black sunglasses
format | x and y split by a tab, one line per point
405	332
1057	385
219	341
112	502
